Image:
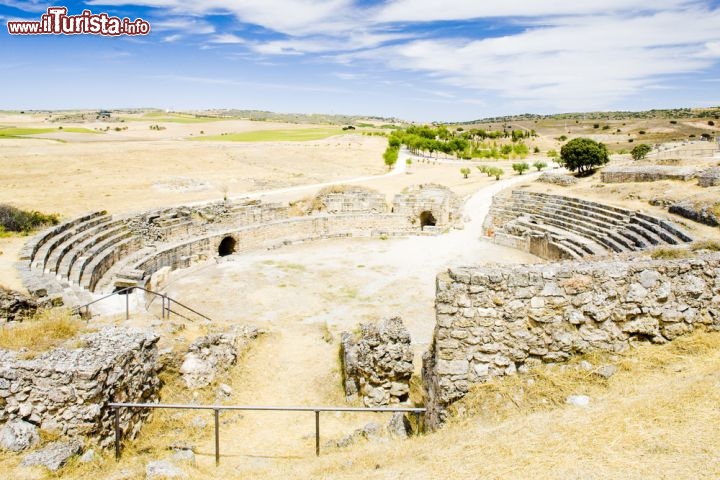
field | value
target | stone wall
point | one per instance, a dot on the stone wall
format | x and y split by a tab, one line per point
349	199
494	321
645	174
377	363
67	391
273	235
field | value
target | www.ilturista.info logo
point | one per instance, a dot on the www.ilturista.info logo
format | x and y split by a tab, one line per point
57	22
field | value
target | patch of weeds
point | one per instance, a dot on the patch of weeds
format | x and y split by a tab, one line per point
665	253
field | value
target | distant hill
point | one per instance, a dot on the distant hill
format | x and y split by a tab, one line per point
678	113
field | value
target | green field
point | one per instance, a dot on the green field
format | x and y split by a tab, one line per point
15	132
290	135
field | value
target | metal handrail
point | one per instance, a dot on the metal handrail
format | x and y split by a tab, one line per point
128	290
218	408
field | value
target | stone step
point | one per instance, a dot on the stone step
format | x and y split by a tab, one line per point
580	244
608	214
43	254
77	270
105	259
31	248
125	263
64	269
53	263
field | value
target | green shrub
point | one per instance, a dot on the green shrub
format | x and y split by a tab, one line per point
520	167
15	220
539	165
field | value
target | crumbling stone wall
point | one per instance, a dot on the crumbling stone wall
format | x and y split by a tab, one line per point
646	174
67	391
494	321
377	363
349	199
211	354
444	205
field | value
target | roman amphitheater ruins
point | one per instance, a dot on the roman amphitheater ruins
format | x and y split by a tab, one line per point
525	271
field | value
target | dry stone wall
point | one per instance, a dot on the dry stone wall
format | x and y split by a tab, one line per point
495	321
67	391
377	363
646	174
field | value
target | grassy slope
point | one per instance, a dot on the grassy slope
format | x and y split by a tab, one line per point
16	132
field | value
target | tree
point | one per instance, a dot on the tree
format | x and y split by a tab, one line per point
390	156
465	171
520	167
640	151
539	165
583	155
496	172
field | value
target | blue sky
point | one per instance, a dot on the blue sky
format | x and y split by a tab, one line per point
423	60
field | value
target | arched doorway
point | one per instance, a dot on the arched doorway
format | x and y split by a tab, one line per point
427	219
227	246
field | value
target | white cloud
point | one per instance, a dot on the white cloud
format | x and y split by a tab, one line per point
568	54
431	10
32	6
227	38
571	62
172	38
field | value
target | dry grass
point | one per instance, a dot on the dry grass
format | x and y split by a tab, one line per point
669	253
46	330
711	245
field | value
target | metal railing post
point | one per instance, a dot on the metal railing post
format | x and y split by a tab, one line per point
317	433
417	423
217	437
168	307
163	307
117	433
127	305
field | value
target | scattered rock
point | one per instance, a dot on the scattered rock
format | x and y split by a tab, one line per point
18	435
54	455
163	469
186	456
398	426
88	456
225	390
212	353
14	306
607	371
578	400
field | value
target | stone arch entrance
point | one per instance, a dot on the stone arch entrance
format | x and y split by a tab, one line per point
227	246
427	219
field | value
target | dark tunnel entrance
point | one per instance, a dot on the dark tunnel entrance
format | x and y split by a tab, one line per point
227	246
427	219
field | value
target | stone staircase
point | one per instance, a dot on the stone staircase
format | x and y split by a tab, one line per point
70	259
579	227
